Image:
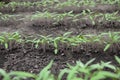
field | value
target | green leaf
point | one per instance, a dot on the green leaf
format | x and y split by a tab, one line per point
45	71
47	75
72	73
56	51
106	47
117	59
21	74
97	76
95	66
36	45
62	73
4	74
67	34
6	45
55	44
1	40
89	62
77	79
110	75
80	64
103	75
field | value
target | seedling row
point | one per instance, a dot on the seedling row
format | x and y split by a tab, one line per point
86	15
111	38
56	4
85	71
26	47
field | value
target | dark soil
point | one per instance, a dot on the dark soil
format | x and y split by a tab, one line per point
5	1
27	58
33	60
46	27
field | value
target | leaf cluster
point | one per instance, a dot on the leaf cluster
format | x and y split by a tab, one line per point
70	41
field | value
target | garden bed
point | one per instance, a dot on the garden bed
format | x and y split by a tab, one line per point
32	34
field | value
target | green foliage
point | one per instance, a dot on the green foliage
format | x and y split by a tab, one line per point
7	38
84	15
110	2
87	14
1	4
100	17
57	4
45	74
113	38
54	16
117	59
4	74
80	71
5	17
90	72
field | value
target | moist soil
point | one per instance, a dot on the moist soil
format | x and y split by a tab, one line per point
27	58
33	60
